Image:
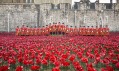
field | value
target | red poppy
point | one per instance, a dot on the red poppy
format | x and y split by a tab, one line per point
87	54
117	65
66	63
77	66
105	61
47	54
57	63
91	56
109	68
118	57
33	55
97	59
103	69
65	56
4	68
47	57
76	63
19	68
90	65
35	67
30	62
79	54
38	61
44	61
72	57
84	59
114	61
20	59
25	62
91	69
52	58
11	61
56	69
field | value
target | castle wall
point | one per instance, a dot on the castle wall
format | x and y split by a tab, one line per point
32	15
12	16
52	1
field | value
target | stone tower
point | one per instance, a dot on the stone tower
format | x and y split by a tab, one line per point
117	1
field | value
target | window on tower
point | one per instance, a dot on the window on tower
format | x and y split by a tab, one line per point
108	6
92	6
29	1
76	5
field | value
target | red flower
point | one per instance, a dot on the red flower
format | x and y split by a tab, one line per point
30	62
76	63
103	69
19	68
77	66
44	61
20	59
79	54
25	62
4	68
105	61
53	59
109	68
85	60
65	56
33	55
114	61
38	61
97	59
11	61
117	65
47	54
56	69
91	56
35	67
90	65
46	57
66	63
62	60
72	57
57	63
118	56
91	69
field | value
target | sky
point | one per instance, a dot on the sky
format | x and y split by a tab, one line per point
101	1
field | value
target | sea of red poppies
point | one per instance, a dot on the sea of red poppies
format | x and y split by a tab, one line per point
59	53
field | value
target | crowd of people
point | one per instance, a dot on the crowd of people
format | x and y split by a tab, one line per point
61	29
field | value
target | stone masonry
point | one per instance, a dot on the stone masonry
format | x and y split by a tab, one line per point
35	15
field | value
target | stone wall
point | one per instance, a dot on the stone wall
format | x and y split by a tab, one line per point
32	15
12	16
55	2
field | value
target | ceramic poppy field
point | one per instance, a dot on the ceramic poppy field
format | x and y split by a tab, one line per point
59	53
